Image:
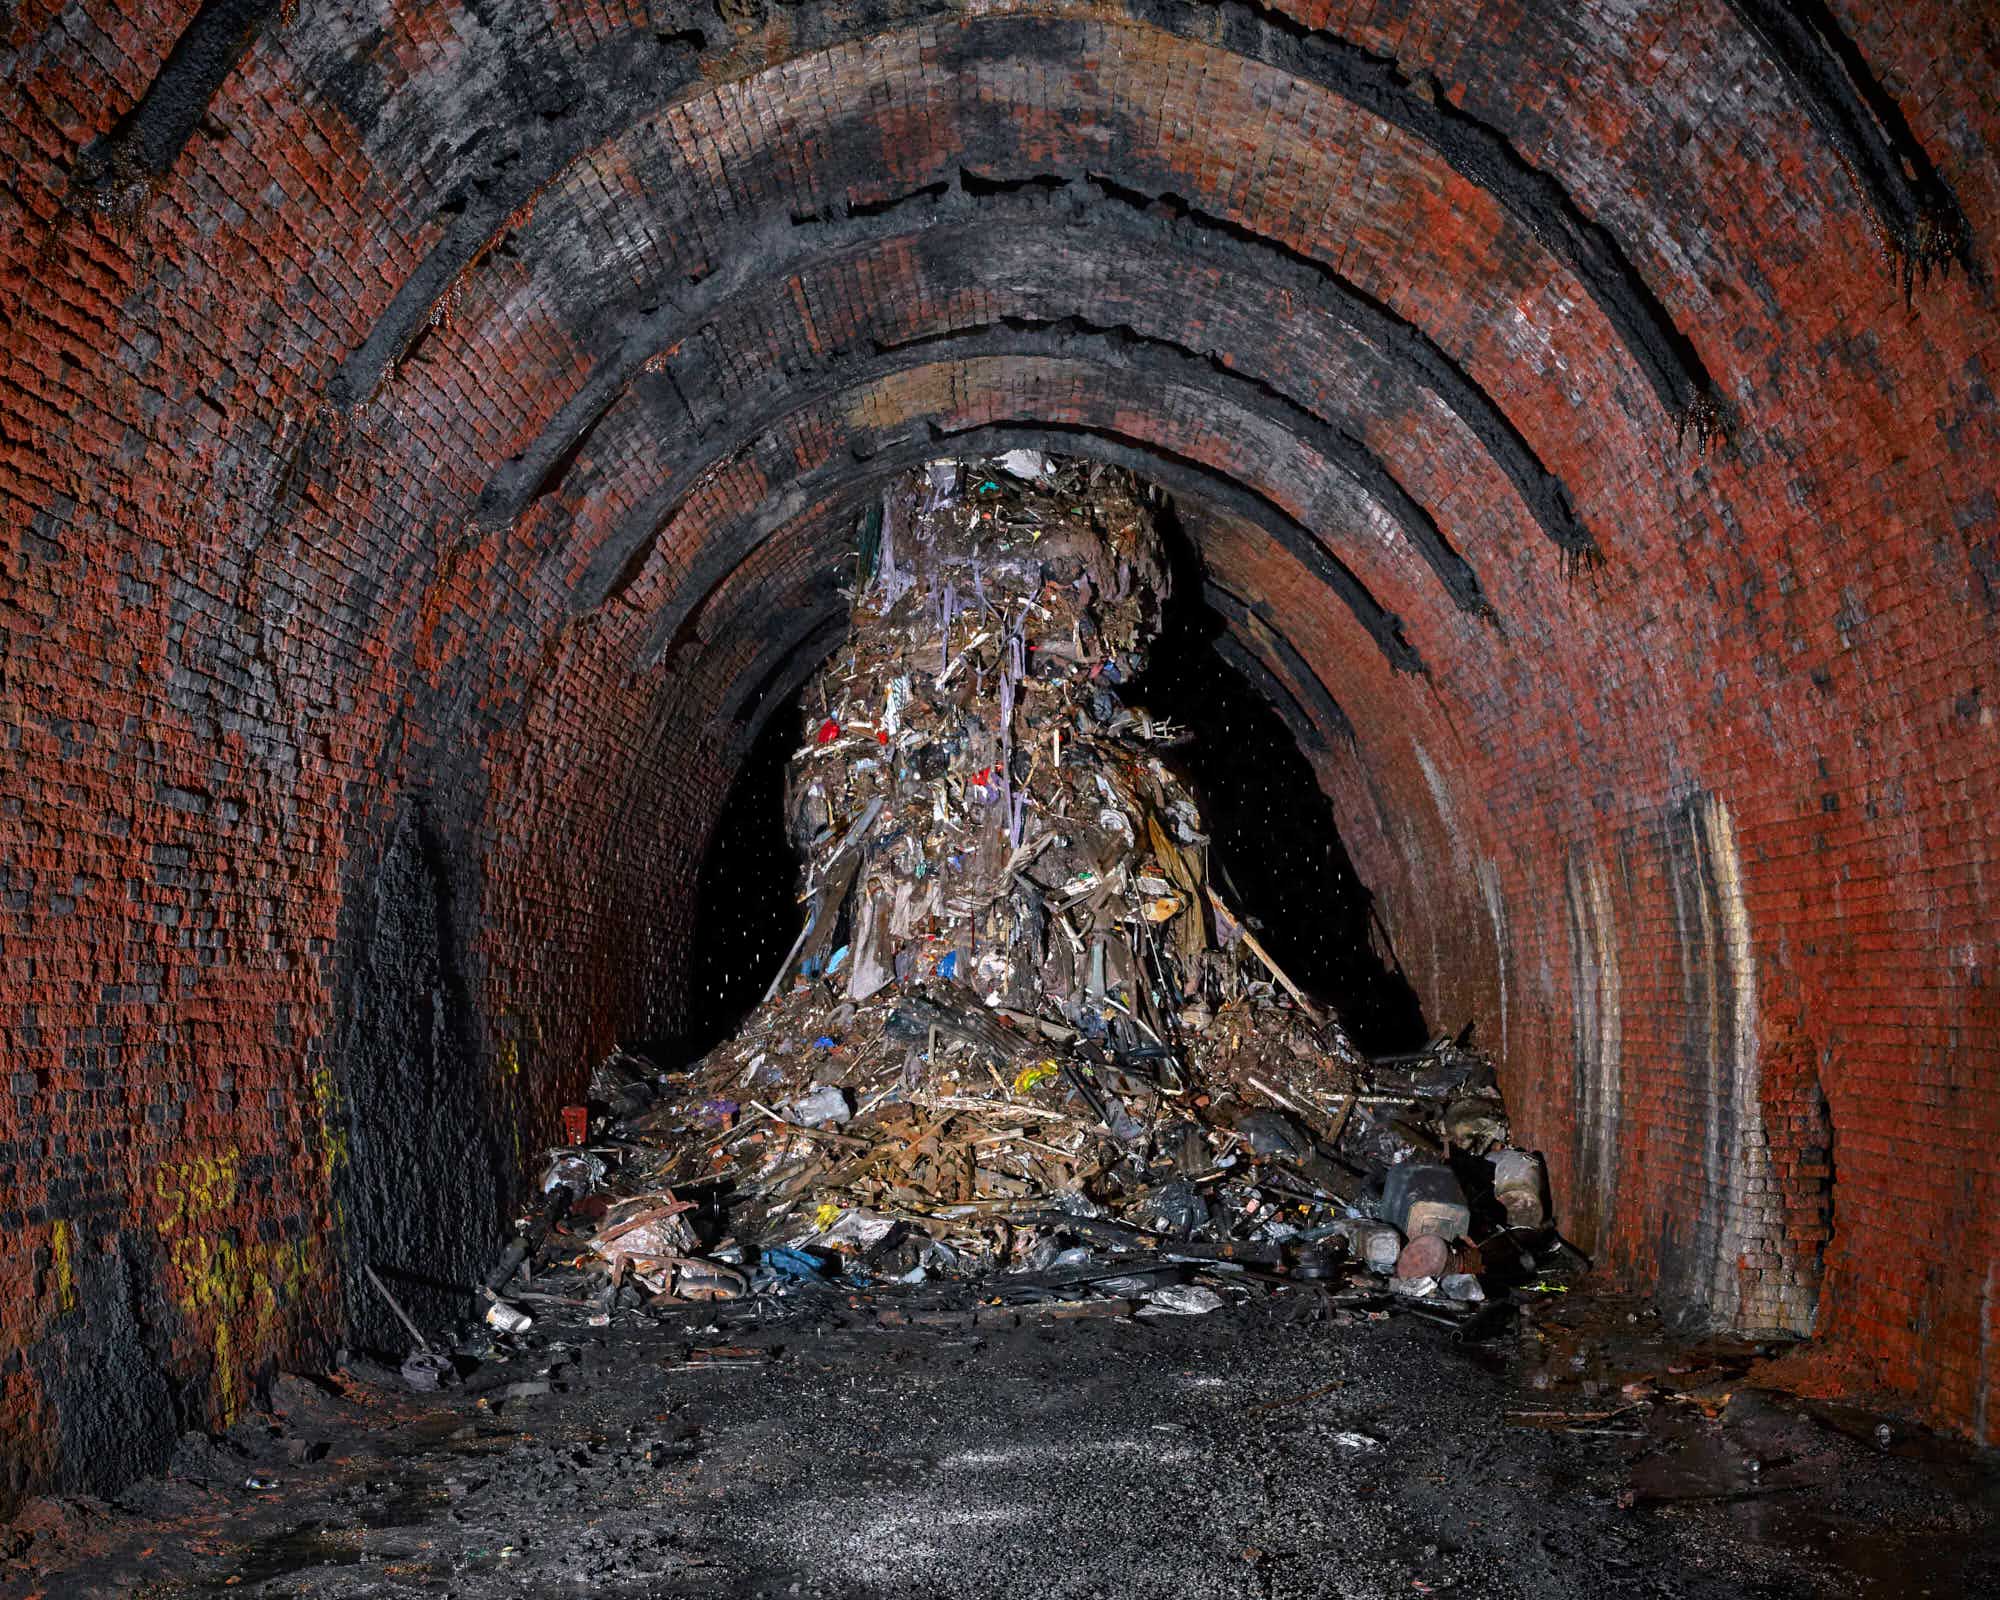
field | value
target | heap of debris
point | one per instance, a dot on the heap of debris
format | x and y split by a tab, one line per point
1022	1030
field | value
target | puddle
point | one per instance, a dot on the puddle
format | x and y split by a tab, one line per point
307	1547
319	1544
1876	1563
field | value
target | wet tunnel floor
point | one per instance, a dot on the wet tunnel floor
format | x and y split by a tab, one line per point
1266	1450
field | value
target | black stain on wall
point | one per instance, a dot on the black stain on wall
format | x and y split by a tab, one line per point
116	1412
421	1193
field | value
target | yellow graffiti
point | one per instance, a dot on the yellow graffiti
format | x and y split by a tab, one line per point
62	1265
325	1095
217	1274
510	1058
240	1287
225	1373
192	1190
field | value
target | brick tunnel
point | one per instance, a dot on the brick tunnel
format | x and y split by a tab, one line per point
431	433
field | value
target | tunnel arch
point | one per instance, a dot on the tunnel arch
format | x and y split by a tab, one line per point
340	342
1350	461
1364	82
1126	445
1012	216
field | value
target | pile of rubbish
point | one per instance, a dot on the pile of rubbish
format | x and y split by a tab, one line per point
1023	1035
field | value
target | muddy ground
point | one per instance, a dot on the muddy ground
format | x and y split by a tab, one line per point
1277	1448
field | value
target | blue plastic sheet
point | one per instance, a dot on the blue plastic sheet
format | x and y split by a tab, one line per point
800	1264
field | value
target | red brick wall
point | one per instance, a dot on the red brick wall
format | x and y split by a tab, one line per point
385	514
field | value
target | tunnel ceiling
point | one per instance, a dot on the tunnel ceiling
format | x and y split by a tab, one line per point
634	295
432	433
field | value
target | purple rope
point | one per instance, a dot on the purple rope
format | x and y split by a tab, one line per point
894	584
1007	745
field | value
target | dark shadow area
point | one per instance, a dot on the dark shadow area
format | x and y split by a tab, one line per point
1274	845
422	1195
747	910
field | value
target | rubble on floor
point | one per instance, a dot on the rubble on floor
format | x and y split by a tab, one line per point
1024	1035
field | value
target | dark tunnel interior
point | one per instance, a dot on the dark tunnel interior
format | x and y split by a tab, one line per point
747	908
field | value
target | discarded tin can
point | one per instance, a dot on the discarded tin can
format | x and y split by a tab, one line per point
1376	1245
1520	1184
576	1124
1424	1197
1425	1256
508	1319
